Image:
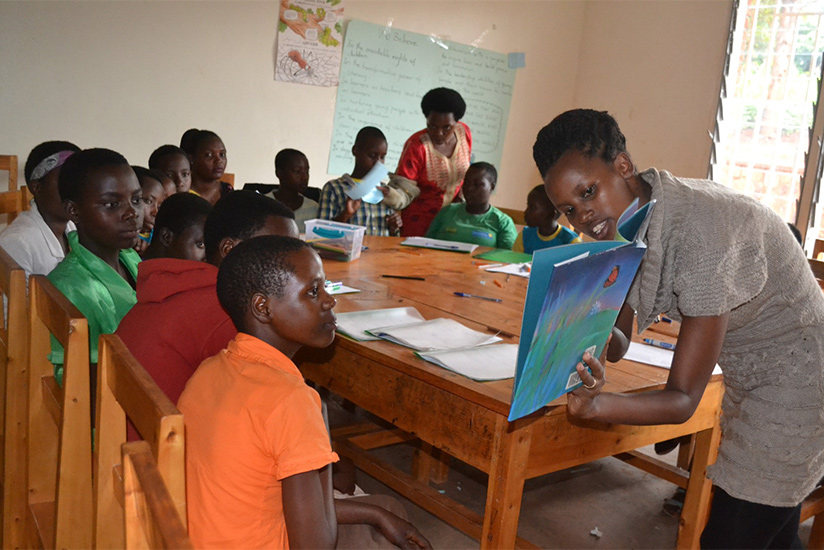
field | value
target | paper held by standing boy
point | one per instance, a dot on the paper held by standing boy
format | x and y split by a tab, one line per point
575	293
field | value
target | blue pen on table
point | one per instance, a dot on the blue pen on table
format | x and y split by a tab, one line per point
660	344
332	286
465	295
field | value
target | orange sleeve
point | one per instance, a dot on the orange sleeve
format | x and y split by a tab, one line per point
296	434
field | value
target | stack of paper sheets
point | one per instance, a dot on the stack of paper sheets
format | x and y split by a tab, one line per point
484	363
437	334
444	342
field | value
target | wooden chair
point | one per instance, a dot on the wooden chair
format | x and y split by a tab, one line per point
228	178
150	513
15	200
8	163
59	433
126	390
817	267
13	389
516	215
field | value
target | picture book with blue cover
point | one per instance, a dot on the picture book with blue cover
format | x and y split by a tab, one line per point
575	293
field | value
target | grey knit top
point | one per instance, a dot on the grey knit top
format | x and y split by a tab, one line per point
712	250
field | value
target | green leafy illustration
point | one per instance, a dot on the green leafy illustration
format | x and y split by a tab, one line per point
326	38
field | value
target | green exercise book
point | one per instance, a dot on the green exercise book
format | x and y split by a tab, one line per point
505	256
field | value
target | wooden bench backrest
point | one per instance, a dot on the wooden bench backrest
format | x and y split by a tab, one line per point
13	387
14	202
8	163
516	215
59	431
150	513
126	390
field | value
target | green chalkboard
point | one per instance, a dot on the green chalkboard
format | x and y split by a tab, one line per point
386	71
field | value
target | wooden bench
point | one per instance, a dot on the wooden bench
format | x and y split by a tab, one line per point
59	433
126	390
150	513
13	413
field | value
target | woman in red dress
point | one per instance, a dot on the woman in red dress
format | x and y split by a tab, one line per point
436	158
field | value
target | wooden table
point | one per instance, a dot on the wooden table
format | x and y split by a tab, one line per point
446	412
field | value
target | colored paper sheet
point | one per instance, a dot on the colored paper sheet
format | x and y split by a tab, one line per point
310	42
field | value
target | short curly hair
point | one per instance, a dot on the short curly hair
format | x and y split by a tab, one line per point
74	175
181	211
165	151
256	265
239	215
594	133
443	100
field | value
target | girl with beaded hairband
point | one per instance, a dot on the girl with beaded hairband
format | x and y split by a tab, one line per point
37	238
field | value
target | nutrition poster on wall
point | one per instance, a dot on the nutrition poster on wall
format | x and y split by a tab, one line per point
386	71
310	39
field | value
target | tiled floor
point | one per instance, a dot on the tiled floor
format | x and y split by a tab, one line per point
558	510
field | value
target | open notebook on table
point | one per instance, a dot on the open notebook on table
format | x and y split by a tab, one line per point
444	342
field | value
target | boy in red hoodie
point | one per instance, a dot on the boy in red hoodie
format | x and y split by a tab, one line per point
177	322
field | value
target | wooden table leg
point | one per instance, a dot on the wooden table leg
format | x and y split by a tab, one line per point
430	464
510	453
699	489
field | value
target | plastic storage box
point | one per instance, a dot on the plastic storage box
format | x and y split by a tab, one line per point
335	240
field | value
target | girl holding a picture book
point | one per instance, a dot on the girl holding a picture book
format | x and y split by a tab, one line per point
728	268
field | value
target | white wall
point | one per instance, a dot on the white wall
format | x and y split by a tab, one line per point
134	75
656	66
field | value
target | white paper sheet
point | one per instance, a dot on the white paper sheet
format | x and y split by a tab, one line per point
353	324
481	363
366	189
342	289
653	355
437	334
519	270
438	244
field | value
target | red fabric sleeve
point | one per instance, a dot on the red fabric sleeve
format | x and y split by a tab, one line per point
413	160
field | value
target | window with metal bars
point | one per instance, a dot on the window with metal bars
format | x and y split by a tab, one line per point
767	108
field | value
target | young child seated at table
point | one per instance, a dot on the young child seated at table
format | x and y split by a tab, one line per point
177	321
178	229
174	162
378	219
542	228
292	171
152	193
102	197
37	239
475	220
258	455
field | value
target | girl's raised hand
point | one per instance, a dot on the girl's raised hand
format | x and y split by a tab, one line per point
582	401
